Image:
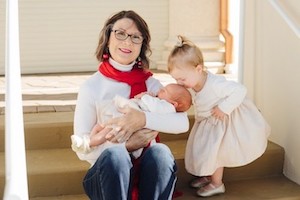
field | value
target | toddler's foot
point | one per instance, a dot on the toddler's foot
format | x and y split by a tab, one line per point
210	190
200	182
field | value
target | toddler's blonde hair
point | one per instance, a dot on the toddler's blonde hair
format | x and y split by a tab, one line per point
185	52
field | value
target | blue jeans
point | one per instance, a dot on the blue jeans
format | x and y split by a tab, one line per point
111	177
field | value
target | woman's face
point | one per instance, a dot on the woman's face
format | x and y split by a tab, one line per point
124	51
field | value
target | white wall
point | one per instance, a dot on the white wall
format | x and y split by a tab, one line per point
62	35
272	74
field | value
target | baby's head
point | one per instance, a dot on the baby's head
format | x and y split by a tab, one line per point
176	94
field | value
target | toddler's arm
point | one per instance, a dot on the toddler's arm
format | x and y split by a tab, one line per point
218	113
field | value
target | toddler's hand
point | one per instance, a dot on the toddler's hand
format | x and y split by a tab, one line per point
217	113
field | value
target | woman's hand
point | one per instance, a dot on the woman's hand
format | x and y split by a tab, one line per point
140	139
98	135
124	126
217	113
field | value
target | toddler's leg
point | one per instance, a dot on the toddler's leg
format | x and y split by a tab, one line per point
215	187
217	177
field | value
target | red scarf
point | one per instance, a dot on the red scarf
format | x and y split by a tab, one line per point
135	78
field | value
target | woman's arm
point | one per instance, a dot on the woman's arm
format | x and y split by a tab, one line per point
87	134
174	123
134	120
140	139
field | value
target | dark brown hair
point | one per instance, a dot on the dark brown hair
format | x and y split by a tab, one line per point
142	27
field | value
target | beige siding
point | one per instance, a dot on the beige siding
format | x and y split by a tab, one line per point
61	36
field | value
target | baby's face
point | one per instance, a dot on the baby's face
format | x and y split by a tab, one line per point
163	94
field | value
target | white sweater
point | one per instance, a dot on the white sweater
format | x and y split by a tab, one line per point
99	88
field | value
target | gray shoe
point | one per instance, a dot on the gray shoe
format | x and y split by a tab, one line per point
200	182
213	190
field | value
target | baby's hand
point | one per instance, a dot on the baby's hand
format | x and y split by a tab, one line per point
217	113
139	96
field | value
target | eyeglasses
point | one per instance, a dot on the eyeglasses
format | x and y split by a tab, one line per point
122	35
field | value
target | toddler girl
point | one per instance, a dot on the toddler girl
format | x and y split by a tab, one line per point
229	131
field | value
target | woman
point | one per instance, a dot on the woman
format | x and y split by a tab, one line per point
123	52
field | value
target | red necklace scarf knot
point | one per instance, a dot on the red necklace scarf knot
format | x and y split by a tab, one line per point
136	78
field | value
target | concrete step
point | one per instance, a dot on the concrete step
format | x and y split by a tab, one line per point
52	166
55	172
275	188
63	197
51	130
52	172
269	164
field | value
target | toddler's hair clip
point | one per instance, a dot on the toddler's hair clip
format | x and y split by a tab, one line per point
180	42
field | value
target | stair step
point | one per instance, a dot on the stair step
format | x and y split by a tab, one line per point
269	164
63	197
50	171
51	130
275	188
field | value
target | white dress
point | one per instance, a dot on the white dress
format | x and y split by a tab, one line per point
236	141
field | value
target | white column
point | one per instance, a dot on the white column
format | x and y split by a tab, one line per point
16	187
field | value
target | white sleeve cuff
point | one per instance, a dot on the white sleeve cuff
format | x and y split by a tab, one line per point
81	144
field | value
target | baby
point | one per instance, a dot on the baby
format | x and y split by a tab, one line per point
171	98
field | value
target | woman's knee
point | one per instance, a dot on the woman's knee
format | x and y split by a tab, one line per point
160	150
115	157
159	154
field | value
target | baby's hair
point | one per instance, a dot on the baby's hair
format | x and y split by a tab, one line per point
181	95
185	52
